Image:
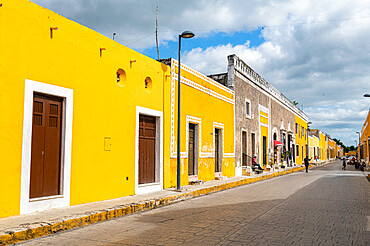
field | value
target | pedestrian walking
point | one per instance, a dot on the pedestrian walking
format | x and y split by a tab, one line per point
306	163
344	164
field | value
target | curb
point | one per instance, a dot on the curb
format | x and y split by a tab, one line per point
45	229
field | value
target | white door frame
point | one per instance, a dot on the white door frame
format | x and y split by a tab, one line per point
28	205
157	186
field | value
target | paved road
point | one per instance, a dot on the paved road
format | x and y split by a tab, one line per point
327	206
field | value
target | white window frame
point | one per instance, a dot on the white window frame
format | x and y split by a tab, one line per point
248	116
28	205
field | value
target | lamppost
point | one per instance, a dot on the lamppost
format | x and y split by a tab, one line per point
186	34
367	95
359	143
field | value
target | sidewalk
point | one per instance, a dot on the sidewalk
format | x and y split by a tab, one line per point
24	227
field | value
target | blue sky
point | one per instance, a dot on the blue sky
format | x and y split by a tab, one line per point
313	51
170	48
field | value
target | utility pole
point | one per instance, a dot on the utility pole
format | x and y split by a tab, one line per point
156	32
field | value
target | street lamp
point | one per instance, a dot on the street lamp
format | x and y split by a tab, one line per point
367	95
186	34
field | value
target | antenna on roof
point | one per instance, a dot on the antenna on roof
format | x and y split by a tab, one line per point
156	32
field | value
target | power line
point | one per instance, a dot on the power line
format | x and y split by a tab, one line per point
141	38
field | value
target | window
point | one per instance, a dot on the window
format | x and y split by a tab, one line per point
297	150
302	151
296	128
247	108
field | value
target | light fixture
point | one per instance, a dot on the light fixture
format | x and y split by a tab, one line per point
367	95
187	34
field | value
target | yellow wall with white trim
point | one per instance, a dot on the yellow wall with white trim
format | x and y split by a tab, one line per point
71	59
301	139
212	103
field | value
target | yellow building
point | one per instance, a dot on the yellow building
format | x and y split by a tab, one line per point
332	148
365	140
351	153
207	127
314	146
301	139
79	112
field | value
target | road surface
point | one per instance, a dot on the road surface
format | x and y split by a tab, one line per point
326	206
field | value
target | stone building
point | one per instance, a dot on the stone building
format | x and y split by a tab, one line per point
264	118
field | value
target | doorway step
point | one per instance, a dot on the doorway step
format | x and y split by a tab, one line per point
193	180
218	176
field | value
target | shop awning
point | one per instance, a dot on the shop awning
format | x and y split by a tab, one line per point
277	143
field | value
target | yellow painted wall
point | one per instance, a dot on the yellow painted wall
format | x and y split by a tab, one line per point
207	101
301	139
365	134
264	133
332	148
323	147
71	59
313	146
351	153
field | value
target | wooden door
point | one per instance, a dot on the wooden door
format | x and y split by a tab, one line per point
264	151
46	146
253	136
191	154
147	138
244	149
218	151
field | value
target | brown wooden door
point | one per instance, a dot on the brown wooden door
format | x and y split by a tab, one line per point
253	136
244	149
264	150
218	151
46	144
191	154
147	137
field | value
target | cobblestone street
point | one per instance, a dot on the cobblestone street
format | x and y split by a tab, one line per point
327	206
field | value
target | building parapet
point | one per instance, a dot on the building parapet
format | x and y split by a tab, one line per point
236	63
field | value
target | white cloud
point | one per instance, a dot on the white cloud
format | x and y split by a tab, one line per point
315	51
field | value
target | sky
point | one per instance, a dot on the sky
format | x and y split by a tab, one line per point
316	52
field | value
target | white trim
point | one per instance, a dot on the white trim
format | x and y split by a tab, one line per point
206	90
28	205
204	153
248	116
241	76
197	121
266	111
158	185
220	126
202	76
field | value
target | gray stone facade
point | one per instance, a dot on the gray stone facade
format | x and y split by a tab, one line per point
250	88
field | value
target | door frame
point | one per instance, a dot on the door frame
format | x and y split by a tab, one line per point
241	145
28	205
196	146
157	186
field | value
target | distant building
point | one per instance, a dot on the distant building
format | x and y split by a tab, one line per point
364	144
263	118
